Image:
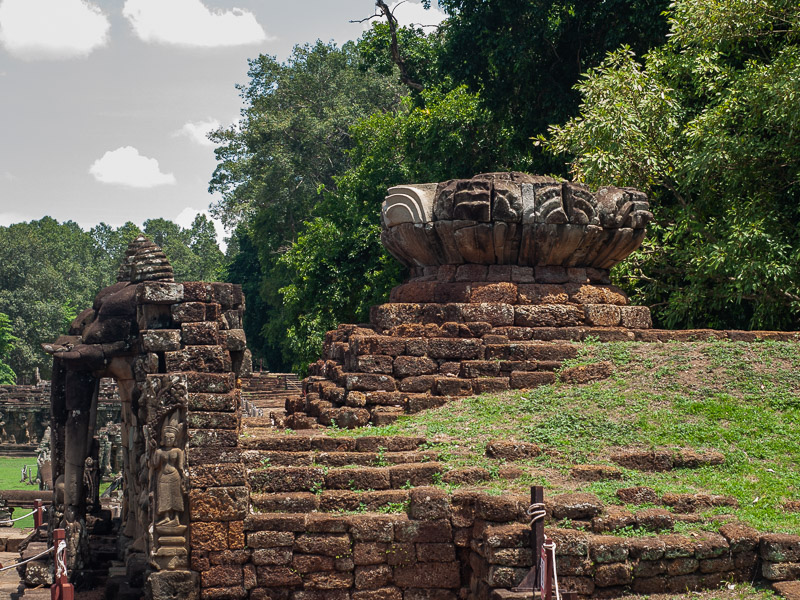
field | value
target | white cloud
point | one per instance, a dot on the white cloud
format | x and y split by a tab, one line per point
191	23
198	131
51	29
7	176
125	166
187	215
411	13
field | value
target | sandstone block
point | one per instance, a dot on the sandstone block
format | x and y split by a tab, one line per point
218	504
496	314
433	575
548	315
503	292
635	317
530	379
154	292
161	340
602	315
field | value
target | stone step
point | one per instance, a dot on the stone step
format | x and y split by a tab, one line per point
315	479
331	501
256	458
323	443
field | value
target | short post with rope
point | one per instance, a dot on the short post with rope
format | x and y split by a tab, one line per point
543	576
38	513
61	589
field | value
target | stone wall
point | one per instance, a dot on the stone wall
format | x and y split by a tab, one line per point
25	409
466	545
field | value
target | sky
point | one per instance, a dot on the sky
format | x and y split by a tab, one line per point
105	104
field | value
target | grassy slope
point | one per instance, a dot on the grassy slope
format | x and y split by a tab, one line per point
10	468
741	399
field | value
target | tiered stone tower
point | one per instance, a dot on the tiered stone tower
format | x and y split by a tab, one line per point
500	264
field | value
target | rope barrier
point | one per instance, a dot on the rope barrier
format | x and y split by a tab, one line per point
536	512
550	546
27	560
61	563
33	512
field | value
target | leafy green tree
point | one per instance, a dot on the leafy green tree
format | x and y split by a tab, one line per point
338	267
274	165
709	125
47	277
523	57
7	339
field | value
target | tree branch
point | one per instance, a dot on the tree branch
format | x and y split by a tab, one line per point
396	57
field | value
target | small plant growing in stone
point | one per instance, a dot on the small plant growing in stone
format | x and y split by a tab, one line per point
380	458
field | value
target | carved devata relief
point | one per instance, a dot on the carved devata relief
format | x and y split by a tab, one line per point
166	463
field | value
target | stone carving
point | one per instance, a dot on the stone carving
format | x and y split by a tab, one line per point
513	219
168	464
166	404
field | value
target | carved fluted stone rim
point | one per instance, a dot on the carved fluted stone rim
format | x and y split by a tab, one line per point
513	218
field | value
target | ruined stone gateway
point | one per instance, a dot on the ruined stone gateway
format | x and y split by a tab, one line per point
175	350
507	270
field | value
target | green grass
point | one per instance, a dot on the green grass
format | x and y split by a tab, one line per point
10	469
742	399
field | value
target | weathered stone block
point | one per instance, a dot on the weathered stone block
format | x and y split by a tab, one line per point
613	574
218	504
635	317
203	359
548	315
325	544
504	292
542	293
778	547
214	402
496	314
160	340
602	315
411	366
433	575
215	383
447	348
530	379
155	292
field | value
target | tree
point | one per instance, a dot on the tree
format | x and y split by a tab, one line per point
709	125
274	165
48	276
523	57
338	268
7	375
51	271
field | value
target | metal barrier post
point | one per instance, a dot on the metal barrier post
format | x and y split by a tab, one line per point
37	516
61	589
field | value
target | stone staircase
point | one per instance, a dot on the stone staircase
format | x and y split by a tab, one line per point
302	473
266	395
371	378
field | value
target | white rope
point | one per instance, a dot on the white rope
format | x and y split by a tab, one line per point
61	564
33	512
551	546
536	511
27	560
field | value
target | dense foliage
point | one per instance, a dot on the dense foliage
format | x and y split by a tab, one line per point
324	134
275	168
709	125
51	271
7	374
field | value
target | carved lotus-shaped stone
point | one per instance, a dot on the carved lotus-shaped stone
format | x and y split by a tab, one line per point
513	218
